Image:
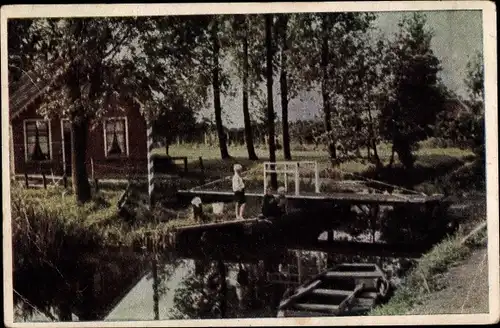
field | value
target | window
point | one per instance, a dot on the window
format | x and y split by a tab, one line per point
37	140
115	137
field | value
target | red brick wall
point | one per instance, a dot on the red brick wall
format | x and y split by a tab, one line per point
135	163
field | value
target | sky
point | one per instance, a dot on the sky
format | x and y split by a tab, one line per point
457	37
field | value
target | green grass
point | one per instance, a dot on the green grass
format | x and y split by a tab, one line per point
426	155
48	220
424	277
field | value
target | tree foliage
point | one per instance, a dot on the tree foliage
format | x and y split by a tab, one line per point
415	95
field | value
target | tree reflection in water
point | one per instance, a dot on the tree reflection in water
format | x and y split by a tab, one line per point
216	289
67	288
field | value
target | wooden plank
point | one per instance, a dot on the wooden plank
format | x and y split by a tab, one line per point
317	307
218	224
331	292
301	291
351	274
350	298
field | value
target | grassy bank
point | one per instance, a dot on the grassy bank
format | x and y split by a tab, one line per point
49	222
426	277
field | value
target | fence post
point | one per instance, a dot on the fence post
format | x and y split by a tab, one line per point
265	179
297	181
96	185
65	181
316	177
44	179
286	177
185	165
26	179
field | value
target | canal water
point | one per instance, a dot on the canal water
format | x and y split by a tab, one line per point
125	285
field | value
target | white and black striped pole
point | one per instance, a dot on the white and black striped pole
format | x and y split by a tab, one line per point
151	184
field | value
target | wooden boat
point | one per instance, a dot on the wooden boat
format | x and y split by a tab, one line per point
346	289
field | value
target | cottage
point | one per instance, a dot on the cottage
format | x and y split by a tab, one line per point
116	145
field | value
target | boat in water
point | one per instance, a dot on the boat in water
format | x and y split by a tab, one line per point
346	289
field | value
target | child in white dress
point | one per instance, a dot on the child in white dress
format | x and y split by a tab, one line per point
239	192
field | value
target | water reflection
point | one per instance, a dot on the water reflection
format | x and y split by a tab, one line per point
84	287
217	288
116	286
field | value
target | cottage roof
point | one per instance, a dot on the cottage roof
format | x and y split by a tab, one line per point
32	85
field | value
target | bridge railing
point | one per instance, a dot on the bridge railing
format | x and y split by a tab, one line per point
291	168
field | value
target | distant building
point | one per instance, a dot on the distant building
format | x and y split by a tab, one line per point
116	146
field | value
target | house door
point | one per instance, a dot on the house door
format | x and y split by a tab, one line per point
66	130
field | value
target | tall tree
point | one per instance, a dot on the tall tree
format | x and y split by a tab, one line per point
243	34
331	40
269	83
282	27
198	42
416	98
214	37
325	56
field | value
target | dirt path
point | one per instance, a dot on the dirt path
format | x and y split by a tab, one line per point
466	291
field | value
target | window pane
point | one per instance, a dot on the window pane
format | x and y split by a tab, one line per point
37	140
115	137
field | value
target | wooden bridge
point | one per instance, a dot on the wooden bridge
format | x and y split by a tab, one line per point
209	196
312	212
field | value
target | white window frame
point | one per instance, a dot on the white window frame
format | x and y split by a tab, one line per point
30	120
114	118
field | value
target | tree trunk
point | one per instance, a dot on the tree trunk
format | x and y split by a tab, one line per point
270	106
324	89
216	88
79	128
284	91
246	113
372	143
79	131
81	185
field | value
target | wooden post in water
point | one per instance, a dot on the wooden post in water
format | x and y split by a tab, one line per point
330	235
299	265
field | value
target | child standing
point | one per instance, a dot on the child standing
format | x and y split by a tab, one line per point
282	201
239	192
